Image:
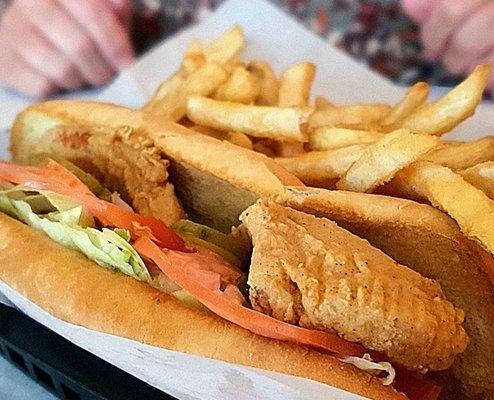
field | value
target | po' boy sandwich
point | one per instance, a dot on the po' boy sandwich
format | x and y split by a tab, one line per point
140	207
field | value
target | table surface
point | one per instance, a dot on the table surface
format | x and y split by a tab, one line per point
15	385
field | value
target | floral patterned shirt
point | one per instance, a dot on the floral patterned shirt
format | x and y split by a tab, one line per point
376	31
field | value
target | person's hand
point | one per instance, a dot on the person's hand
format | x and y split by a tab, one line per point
457	33
49	45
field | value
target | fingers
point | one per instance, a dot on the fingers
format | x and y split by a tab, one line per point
418	10
42	57
57	26
490	86
123	9
471	42
20	77
440	25
105	29
63	43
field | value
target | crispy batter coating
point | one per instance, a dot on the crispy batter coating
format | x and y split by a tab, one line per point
123	160
308	271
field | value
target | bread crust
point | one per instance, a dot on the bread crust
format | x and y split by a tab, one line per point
214	186
76	290
241	167
411	233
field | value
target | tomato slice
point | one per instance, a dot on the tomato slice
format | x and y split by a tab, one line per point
188	270
205	259
58	179
415	386
67	178
177	267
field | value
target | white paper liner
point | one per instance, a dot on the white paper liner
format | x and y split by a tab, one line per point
184	376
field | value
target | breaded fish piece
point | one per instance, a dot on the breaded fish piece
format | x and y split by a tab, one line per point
122	159
310	272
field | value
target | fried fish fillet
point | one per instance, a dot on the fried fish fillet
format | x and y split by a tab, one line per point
122	159
310	272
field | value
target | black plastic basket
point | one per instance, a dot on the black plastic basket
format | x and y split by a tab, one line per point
66	370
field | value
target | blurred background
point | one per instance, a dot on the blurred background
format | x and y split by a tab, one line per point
49	46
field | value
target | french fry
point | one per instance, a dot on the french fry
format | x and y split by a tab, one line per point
192	63
321	103
481	176
203	81
414	98
172	84
226	47
327	137
289	149
295	85
269	84
458	104
265	146
462	155
240	139
349	116
258	121
209	132
194	47
241	87
383	159
448	191
237	138
193	58
322	165
233	64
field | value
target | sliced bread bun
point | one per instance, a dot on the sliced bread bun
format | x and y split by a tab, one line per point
74	289
215	180
428	241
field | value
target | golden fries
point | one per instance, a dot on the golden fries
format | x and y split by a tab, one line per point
227	47
454	107
257	121
380	161
193	58
295	85
237	138
327	137
462	155
209	131
203	81
172	84
348	116
360	147
469	206
289	149
268	82
481	176
414	98
241	87
322	165
321	103
265	146
240	139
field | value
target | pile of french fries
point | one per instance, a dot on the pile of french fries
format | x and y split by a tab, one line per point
393	149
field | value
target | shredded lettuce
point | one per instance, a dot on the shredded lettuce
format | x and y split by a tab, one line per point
67	224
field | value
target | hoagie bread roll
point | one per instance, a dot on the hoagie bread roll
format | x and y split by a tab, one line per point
214	182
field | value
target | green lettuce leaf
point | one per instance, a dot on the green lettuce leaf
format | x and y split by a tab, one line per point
69	226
